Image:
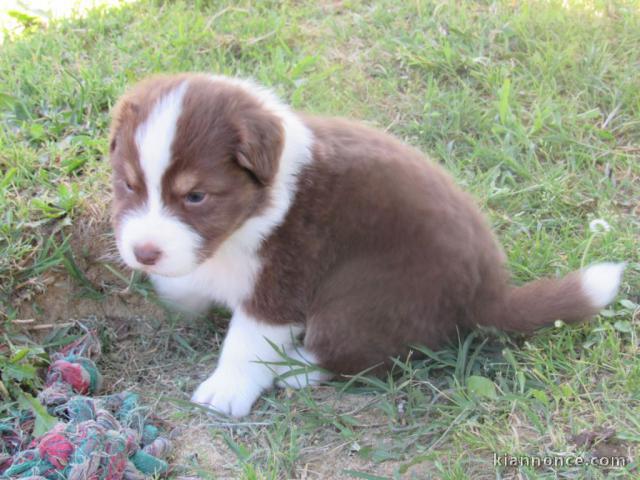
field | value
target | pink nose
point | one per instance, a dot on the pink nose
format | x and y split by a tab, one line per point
147	254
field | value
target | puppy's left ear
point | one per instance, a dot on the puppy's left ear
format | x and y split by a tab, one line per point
261	142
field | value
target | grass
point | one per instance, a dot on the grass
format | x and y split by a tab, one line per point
533	106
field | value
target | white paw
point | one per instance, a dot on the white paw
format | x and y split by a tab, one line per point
228	391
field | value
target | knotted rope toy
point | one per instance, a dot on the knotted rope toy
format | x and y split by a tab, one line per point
97	438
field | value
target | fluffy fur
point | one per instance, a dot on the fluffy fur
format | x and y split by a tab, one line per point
334	244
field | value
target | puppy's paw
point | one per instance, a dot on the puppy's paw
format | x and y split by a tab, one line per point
229	392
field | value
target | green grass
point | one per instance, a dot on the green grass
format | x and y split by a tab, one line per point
533	106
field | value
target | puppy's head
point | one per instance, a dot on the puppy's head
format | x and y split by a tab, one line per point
193	158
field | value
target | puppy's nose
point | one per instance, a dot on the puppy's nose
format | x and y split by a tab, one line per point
147	254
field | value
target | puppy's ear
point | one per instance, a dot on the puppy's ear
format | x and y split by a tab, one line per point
122	114
260	147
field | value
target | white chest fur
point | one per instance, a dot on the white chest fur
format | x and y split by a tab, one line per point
226	278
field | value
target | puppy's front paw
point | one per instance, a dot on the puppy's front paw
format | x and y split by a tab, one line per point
229	392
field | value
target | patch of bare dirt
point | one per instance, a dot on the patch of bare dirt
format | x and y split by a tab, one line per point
197	449
98	289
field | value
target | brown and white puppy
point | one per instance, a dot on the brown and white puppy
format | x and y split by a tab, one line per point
332	242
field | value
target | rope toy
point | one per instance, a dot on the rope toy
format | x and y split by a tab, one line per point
96	438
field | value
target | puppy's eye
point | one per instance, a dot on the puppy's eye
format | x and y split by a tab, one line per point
194	197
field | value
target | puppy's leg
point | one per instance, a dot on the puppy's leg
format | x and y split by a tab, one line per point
245	368
373	308
305	365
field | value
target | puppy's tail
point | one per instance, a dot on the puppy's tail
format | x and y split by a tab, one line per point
572	298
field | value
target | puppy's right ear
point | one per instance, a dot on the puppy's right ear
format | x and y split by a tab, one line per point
124	113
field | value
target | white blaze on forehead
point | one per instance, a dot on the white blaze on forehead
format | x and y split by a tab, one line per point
153	223
154	138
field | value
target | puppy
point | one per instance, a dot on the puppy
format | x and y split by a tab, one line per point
333	243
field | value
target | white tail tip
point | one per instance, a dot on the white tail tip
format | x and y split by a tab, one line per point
600	282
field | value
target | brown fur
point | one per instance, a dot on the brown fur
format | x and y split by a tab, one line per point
381	250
